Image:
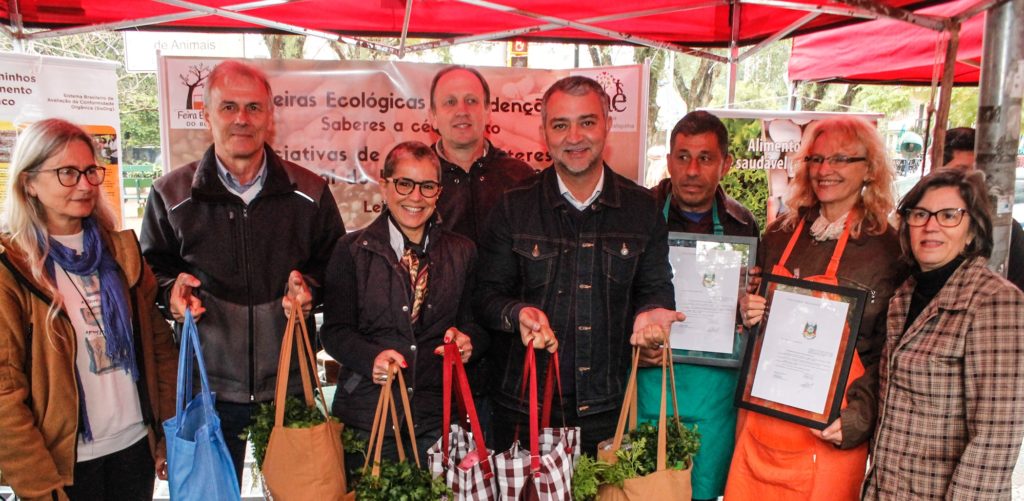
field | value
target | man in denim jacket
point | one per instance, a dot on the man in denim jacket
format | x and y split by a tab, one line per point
576	262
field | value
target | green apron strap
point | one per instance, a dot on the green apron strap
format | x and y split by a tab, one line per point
718	229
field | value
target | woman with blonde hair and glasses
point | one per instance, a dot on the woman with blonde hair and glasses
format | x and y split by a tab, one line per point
952	376
87	364
836	232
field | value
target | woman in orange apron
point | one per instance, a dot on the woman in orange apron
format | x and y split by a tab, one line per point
836	233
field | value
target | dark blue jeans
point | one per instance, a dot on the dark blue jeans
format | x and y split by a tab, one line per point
126	475
233	420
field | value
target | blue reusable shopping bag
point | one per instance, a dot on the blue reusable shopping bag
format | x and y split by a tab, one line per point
198	463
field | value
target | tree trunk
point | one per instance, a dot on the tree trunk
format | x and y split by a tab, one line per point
600	55
851	93
657	57
285	46
698	92
812	96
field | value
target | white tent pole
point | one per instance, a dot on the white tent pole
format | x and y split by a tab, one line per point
930	22
780	35
898	14
298	30
824	9
978	8
617	35
405	28
497	35
16	31
146	21
734	51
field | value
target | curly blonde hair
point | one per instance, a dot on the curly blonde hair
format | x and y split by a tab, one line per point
877	199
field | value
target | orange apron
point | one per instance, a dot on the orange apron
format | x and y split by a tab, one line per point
780	460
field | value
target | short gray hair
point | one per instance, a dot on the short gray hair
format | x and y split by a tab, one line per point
576	86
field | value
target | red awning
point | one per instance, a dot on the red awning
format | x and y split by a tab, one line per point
887	51
688	22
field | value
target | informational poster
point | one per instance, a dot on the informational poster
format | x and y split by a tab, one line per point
769	140
84	92
340	118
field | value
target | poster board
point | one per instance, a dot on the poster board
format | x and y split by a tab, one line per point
769	140
340	118
84	92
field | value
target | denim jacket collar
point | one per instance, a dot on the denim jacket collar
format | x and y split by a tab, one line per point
611	194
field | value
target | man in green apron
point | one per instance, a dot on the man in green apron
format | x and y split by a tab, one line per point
693	202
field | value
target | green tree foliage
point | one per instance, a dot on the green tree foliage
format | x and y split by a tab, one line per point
761	79
136	91
748	187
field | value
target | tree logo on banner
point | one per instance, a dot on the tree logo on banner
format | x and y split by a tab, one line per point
613	86
194	78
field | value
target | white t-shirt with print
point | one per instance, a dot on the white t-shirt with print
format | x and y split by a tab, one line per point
111	397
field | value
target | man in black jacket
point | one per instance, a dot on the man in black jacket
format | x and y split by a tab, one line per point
235	237
575	261
474	174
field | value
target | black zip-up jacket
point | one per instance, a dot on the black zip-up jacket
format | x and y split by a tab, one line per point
367	309
465	203
591	275
242	255
468	197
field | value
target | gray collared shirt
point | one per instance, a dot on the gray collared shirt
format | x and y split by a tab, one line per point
248	191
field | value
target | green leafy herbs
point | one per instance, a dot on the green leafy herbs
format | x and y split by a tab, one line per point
400	482
637	457
682	444
586	478
296	415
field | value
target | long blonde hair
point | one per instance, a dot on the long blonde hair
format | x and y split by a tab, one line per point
25	216
877	199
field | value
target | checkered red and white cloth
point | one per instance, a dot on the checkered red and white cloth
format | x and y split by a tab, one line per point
470	481
559	452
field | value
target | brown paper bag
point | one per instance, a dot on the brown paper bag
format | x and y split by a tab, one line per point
302	464
664	483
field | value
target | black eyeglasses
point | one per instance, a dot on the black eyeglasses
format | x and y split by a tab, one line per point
948	218
404	186
69	176
832	159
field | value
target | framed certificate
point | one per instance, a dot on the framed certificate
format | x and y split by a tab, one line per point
797	364
709	273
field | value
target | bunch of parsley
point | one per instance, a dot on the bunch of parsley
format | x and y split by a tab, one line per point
296	415
400	481
637	457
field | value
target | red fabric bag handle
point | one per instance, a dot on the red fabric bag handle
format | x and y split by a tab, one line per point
467	408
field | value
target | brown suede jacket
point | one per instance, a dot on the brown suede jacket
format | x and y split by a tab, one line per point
38	392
